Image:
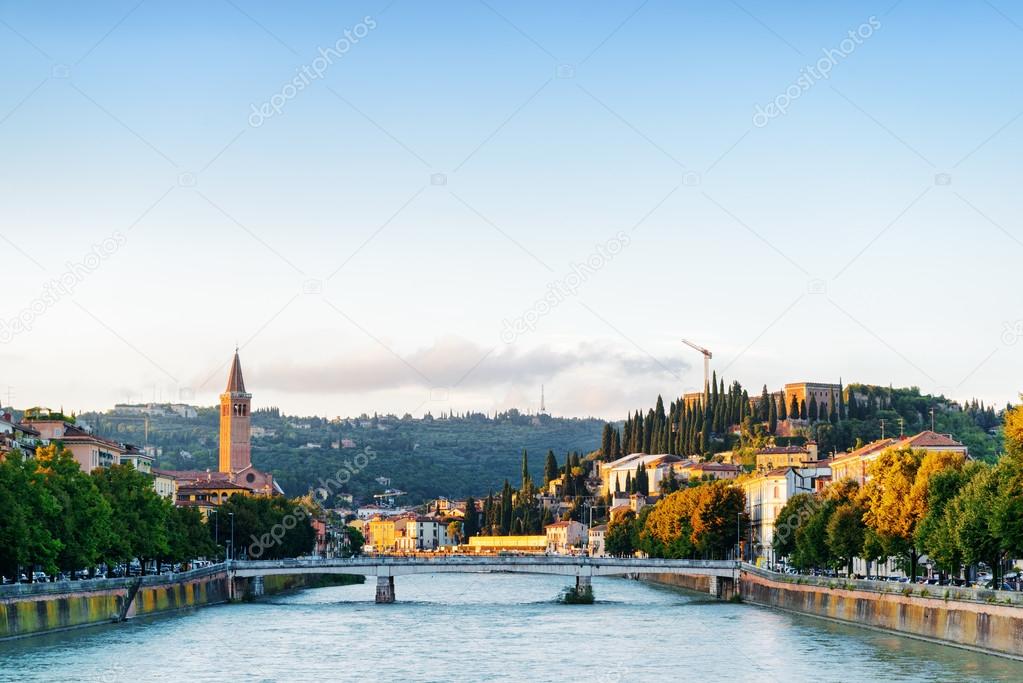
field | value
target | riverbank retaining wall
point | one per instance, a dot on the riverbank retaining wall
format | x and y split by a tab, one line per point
30	609
33	609
983	622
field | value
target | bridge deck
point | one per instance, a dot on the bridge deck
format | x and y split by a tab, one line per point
561	565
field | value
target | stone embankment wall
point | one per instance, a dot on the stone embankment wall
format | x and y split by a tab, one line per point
33	609
29	609
981	620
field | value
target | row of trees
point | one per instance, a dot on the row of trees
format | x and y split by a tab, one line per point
56	518
957	512
701	522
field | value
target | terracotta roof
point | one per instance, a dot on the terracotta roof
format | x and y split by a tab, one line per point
209	485
929	439
558	525
235	383
872	447
779	450
715	467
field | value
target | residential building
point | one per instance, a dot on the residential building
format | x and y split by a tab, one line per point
595	541
707	470
855	464
166	485
426	533
616	475
766	494
565	537
774	457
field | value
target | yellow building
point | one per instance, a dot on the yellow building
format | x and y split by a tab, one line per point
494	544
382	534
773	457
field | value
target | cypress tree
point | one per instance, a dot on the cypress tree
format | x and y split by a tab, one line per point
802	410
470	523
506	509
833	410
617	442
782	412
813	409
606	443
772	418
527	482
763	409
794	407
842	414
550	469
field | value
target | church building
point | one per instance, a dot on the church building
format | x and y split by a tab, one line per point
235	473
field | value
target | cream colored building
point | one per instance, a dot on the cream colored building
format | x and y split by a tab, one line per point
766	494
565	537
595	541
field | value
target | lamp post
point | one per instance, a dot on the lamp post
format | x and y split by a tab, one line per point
231	555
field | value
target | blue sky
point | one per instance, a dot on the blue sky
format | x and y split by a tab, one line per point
369	244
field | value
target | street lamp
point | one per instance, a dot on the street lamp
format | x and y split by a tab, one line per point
231	555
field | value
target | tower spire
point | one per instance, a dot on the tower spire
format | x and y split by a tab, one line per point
235	382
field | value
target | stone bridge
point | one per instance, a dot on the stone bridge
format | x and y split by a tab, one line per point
722	573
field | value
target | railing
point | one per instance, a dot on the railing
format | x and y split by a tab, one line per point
476	560
983	595
15	590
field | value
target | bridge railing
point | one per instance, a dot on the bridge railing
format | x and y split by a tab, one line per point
477	560
58	587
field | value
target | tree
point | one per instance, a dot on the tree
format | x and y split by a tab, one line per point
797	509
794	408
550	469
763	409
81	518
506	509
138	515
896	496
802	410
607	443
470	522
813	409
846	532
527	481
772	418
24	504
782	408
618	539
455	531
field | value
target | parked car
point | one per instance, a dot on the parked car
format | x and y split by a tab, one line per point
40	577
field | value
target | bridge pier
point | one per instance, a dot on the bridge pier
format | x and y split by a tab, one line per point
257	586
385	590
721	587
583	584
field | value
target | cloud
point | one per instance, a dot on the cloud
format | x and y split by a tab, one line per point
454	362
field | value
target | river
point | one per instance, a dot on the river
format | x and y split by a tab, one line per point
473	627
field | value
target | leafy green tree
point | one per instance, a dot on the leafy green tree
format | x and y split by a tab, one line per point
846	532
138	515
25	502
355	541
797	509
81	519
187	534
618	539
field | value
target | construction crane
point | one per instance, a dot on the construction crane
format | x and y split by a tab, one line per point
707	355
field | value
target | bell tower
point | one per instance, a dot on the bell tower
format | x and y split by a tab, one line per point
235	450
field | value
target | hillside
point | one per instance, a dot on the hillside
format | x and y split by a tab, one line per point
425	457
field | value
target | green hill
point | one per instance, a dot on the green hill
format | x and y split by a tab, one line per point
427	457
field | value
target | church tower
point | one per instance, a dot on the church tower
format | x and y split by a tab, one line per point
235	450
